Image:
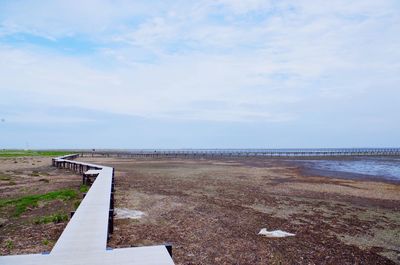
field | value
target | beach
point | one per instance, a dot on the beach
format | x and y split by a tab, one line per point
211	210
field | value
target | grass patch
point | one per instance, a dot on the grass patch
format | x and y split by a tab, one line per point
9	244
22	203
20	153
77	203
84	188
5	178
54	218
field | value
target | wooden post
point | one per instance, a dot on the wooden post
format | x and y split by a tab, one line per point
111	222
112	201
168	246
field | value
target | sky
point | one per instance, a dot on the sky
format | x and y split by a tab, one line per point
199	74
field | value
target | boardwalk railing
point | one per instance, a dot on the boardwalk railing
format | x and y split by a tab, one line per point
193	153
84	240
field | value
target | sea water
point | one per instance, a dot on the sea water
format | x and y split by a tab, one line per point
379	167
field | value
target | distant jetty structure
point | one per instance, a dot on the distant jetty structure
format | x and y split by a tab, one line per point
84	240
199	153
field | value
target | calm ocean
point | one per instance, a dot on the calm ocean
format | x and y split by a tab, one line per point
377	167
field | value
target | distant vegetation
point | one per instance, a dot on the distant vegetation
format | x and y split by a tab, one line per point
20	153
21	204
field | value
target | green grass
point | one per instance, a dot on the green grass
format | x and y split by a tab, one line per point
54	218
77	203
5	177
20	153
83	188
9	244
22	203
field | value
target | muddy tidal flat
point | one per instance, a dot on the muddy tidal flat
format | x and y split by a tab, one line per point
212	210
35	203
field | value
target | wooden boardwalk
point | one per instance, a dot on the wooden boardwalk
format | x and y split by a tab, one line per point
84	240
199	153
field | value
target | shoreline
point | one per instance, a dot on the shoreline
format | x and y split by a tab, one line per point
348	175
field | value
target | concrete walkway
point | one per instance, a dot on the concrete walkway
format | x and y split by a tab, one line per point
84	240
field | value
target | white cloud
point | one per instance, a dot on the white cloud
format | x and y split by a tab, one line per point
177	62
241	7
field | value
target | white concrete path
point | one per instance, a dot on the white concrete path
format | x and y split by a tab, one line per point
84	239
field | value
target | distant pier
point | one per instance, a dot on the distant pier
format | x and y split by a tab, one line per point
209	153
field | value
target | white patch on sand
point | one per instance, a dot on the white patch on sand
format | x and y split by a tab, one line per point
275	233
124	213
